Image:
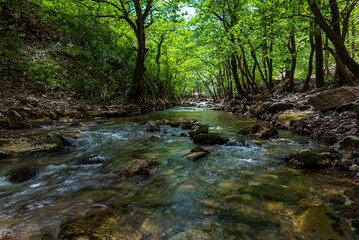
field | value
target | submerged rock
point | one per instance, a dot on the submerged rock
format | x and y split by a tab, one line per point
152	127
100	227
210	139
138	169
261	130
308	160
274	192
321	223
22	174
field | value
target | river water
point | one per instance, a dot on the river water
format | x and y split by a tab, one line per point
242	191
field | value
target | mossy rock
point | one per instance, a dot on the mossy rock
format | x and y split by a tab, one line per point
288	118
261	130
274	192
102	226
321	223
310	160
210	139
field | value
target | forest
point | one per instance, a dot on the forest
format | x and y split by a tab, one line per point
179	119
154	49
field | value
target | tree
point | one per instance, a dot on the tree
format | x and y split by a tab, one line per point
135	13
334	34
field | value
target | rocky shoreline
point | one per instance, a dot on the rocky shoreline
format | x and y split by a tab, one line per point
329	116
28	112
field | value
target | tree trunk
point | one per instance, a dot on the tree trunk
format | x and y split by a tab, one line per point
310	66
292	50
235	76
135	91
319	72
335	39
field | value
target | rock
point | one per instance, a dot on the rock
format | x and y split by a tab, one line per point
199	149
156	137
138	169
261	130
210	139
13	146
195	156
22	174
308	160
175	124
289	118
98	226
199	129
184	135
179	236
77	125
274	192
196	234
93	160
349	143
3	156
347	107
186	126
332	99
354	168
230	186
152	127
58	135
152	229
322	223
15	121
279	106
218	107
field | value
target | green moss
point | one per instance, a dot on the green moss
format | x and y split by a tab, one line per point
289	117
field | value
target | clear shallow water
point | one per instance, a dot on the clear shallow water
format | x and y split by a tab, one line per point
225	194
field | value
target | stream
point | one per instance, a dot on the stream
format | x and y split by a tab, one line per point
242	190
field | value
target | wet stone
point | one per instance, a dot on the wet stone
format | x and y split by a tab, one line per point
22	174
138	169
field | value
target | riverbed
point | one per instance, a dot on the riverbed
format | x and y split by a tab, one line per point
241	190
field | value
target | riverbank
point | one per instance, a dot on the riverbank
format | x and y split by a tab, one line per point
32	111
329	116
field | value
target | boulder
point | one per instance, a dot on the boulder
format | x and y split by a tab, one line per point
138	169
210	139
308	160
332	99
22	174
261	130
152	127
13	146
199	129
